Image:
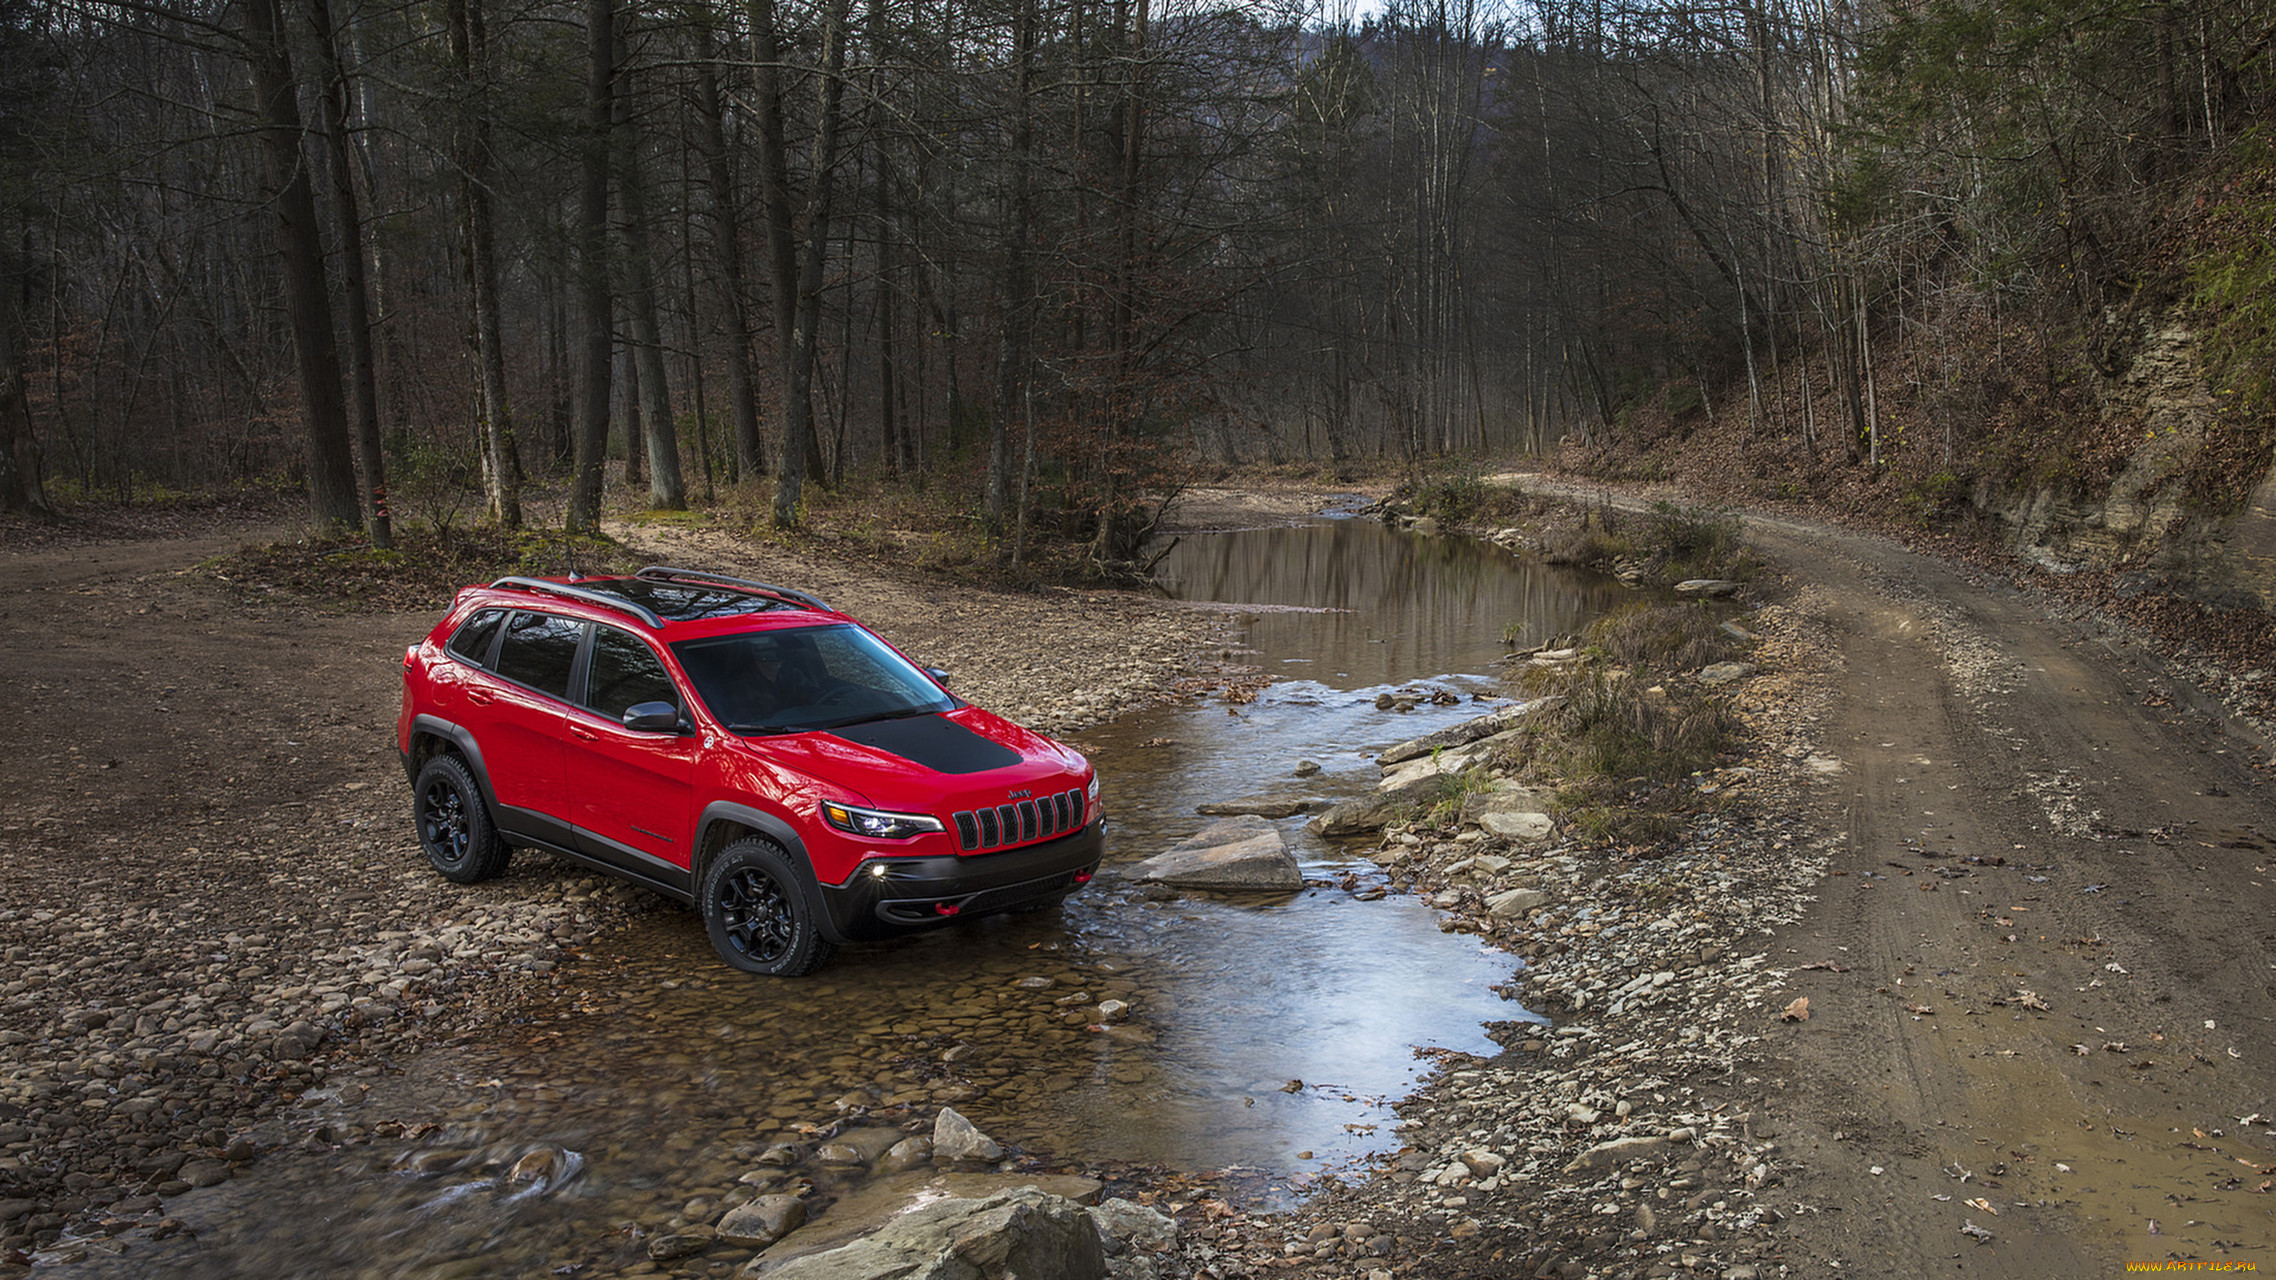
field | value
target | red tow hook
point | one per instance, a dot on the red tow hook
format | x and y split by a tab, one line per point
946	908
1082	877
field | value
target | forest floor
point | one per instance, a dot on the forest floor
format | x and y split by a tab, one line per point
2108	824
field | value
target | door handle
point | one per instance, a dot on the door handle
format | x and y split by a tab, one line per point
480	697
585	734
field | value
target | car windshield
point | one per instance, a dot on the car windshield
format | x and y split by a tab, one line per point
802	678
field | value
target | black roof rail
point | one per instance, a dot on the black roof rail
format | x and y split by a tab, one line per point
589	596
666	573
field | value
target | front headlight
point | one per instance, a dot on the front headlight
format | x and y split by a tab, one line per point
1090	793
873	824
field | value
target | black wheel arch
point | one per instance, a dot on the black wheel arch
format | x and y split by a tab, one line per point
432	736
725	821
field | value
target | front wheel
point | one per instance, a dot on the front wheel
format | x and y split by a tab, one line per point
454	825
757	917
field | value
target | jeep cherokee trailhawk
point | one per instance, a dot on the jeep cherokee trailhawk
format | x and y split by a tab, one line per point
739	746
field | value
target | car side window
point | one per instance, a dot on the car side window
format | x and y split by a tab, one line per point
622	673
540	650
472	641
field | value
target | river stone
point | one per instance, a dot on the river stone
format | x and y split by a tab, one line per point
1469	731
955	1138
1131	1225
1025	1234
1511	903
1257	806
1232	853
1707	587
763	1221
1606	1154
679	1244
838	1154
1526	828
1306	768
906	1154
1725	672
1371	812
205	1173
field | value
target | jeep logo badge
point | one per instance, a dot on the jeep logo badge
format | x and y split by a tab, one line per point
1021	794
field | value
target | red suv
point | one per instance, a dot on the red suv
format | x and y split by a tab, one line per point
739	746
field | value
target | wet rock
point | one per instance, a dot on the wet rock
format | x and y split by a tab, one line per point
906	1154
1113	1011
1256	806
1130	1225
1307	768
205	1173
1023	1233
955	1138
1467	732
839	1154
679	1244
763	1221
10	1210
1371	812
1232	853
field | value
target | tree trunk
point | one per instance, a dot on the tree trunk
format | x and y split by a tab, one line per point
1018	296
593	372
20	488
666	489
347	222
799	446
470	49
332	502
727	249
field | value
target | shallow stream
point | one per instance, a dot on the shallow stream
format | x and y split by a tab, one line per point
1267	1036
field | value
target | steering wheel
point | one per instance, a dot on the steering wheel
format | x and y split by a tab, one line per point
839	695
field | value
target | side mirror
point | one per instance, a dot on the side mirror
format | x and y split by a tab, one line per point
937	674
652	717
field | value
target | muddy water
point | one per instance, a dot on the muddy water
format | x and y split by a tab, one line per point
1265	1034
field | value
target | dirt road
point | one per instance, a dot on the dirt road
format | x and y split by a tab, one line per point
2040	975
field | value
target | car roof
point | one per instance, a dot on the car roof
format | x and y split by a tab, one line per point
662	597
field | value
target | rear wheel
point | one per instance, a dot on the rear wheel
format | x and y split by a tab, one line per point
756	914
454	825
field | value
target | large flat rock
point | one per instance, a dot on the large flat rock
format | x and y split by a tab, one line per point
1010	1235
1240	853
883	1200
1469	731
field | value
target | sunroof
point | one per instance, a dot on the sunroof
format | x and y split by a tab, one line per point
683	602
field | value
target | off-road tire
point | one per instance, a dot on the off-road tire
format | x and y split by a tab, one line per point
454	824
756	913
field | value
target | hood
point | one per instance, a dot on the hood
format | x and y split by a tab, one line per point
949	760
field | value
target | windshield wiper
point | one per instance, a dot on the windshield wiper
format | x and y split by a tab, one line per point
767	728
869	717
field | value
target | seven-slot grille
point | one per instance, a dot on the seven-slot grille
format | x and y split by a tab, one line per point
1009	824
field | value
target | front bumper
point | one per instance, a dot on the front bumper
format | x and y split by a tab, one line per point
888	896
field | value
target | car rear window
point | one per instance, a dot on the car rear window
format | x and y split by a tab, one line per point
472	642
539	650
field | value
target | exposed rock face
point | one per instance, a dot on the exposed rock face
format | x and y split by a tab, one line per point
1467	732
1235	853
1025	1234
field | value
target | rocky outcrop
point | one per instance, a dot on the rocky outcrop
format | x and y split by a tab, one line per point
1243	853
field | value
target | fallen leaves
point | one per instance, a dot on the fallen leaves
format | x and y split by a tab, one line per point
1797	1011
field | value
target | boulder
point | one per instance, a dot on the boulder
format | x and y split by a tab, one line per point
1025	1234
762	1221
1707	587
1522	827
1725	672
955	1138
1604	1155
1234	853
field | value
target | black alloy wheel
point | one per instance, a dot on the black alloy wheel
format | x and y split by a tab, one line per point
454	826
757	917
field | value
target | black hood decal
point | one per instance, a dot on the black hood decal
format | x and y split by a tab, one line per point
937	743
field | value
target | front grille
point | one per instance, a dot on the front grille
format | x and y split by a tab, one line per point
1019	823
